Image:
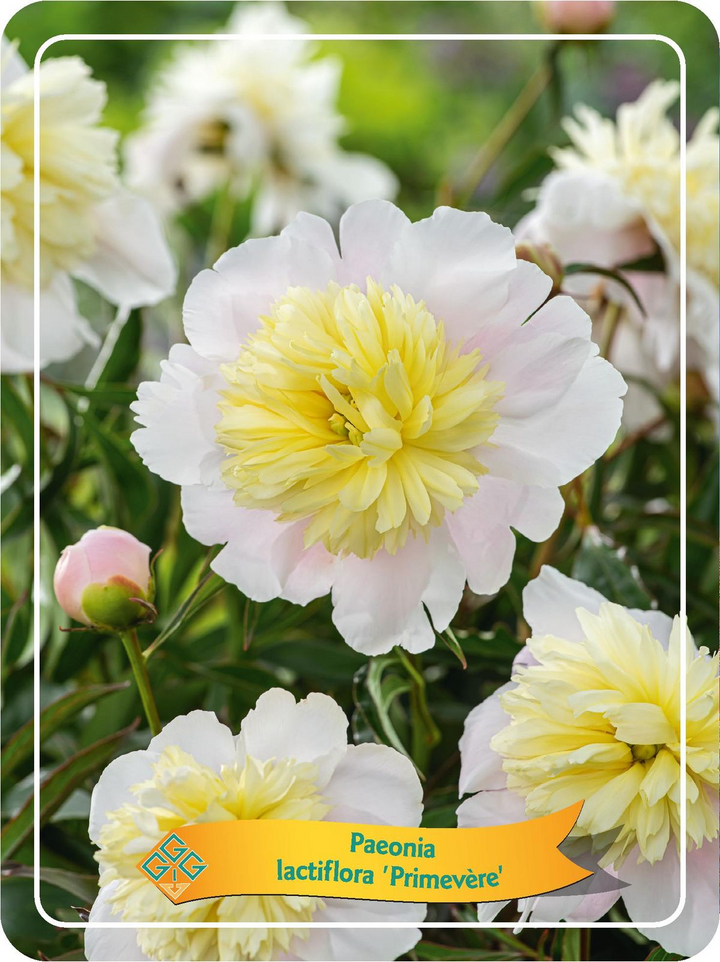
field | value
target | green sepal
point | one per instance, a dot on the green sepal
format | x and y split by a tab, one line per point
109	606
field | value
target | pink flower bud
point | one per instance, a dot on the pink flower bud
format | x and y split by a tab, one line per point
575	16
96	579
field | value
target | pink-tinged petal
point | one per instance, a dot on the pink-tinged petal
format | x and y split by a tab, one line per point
312	730
528	288
378	602
454	261
113	787
551	600
558	443
132	264
110	945
500	807
569	908
654	895
200	734
304	573
223	305
368	233
112	551
480	766
72	576
374	784
178	414
481	527
587	217
372	945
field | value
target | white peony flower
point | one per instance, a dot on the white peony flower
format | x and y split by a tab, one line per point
613	200
89	227
290	760
373	423
593	713
252	115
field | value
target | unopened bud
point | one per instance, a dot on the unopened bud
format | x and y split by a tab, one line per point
575	16
104	580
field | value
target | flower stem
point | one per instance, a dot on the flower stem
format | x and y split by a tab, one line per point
425	733
511	122
139	670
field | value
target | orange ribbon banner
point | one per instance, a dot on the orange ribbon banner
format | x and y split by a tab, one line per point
343	860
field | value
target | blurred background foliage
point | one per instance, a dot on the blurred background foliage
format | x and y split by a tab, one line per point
425	107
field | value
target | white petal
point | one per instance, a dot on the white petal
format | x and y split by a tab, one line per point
63	332
551	600
113	787
223	305
311	730
654	895
371	945
558	443
132	264
378	602
481	527
444	590
368	234
480	766
200	734
374	784
352	178
110	945
178	414
455	261
571	908
211	517
500	807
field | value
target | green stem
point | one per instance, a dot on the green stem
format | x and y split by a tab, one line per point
511	122
139	670
425	733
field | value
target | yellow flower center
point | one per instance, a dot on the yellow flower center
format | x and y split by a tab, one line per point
181	792
77	168
599	720
350	409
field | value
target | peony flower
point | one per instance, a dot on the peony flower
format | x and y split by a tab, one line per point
290	760
593	712
96	579
615	199
374	422
89	227
254	116
575	16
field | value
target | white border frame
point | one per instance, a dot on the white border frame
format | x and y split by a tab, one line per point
683	479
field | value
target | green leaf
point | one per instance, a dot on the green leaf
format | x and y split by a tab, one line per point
607	272
16	412
59	786
454	645
659	954
20	745
602	567
105	394
444	953
125	352
84	887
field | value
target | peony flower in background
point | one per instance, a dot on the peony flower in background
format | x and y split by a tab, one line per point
290	760
614	200
253	116
90	228
97	579
373	423
575	16
593	712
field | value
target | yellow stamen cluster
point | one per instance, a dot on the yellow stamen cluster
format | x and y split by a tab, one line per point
599	720
181	792
350	409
